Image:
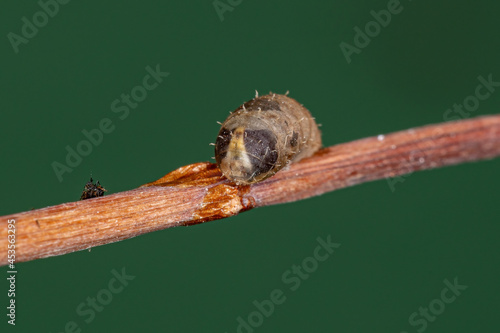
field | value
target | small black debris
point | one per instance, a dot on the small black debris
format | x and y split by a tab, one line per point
92	190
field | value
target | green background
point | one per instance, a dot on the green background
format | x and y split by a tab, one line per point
397	246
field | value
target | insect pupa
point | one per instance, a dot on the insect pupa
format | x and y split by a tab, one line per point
263	136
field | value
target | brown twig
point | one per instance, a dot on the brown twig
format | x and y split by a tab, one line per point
197	193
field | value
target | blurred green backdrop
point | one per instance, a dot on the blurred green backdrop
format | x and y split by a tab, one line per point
398	245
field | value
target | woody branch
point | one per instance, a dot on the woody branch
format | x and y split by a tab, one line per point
198	192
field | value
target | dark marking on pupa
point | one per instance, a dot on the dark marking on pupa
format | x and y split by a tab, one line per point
263	103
